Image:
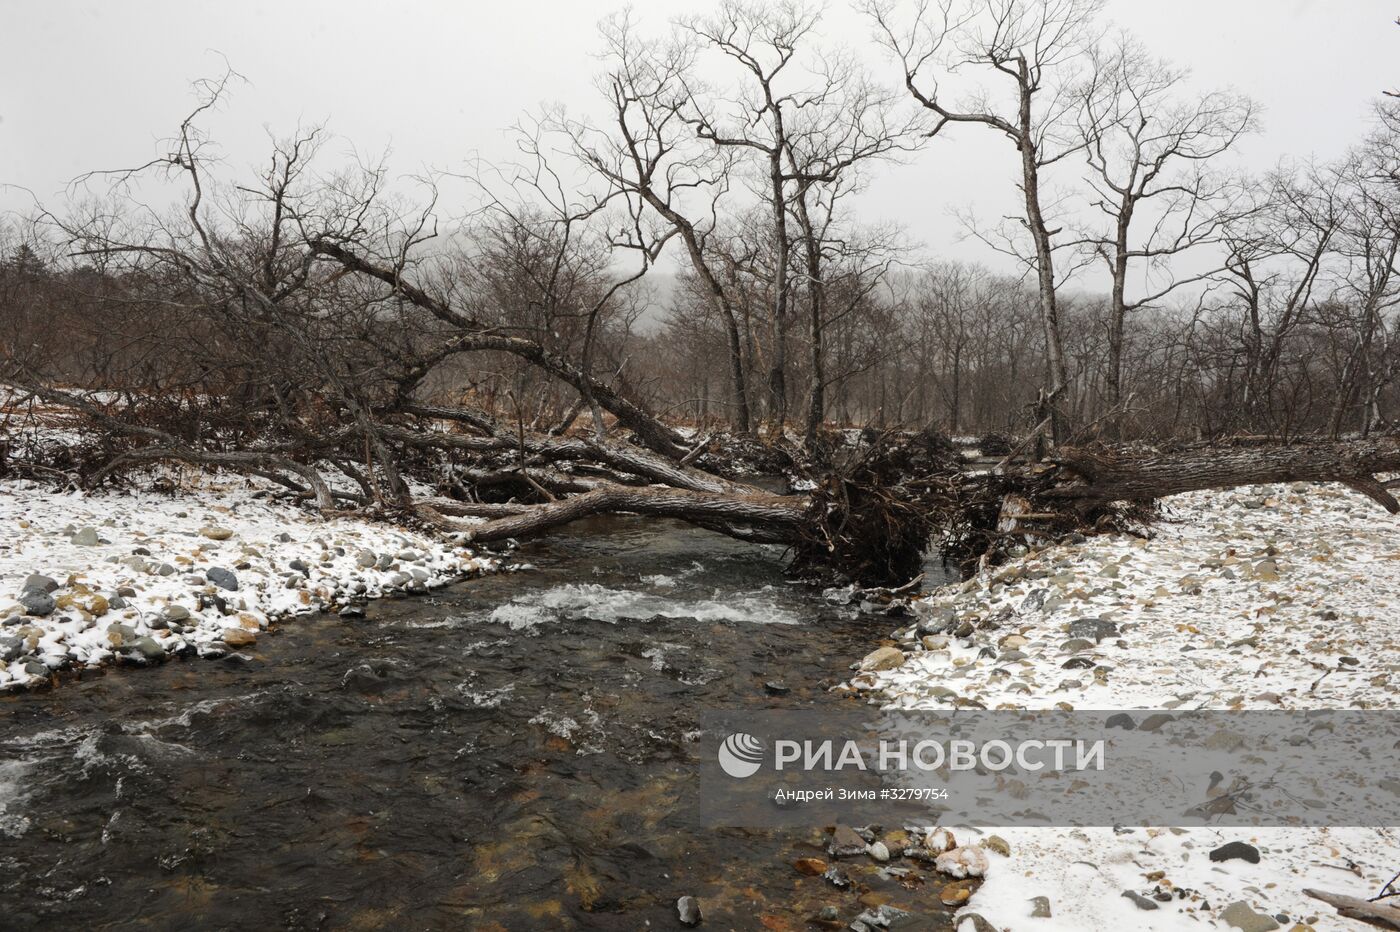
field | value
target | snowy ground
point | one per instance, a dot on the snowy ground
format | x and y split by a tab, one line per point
87	580
1270	597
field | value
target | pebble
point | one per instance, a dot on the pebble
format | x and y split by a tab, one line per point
36	603
1236	851
1241	916
37	583
965	861
87	537
882	658
238	637
147	648
216	533
1139	900
688	911
223	578
1040	907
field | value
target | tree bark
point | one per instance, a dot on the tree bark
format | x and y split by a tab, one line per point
1092	477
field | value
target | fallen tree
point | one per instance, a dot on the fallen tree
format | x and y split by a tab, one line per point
871	517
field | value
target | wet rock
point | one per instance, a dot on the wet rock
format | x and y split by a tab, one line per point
147	648
1140	901
352	611
882	658
1156	720
811	867
878	851
688	911
837	878
883	916
87	537
238	637
1236	851
36	603
216	533
845	842
37	583
774	688
1242	917
223	578
955	894
1120	720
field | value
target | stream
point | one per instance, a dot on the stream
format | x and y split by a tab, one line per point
505	753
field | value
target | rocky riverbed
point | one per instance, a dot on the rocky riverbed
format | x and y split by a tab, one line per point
1274	597
90	580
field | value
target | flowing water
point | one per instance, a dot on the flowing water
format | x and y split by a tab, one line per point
504	754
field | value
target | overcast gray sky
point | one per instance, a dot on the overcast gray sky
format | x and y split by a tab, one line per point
95	84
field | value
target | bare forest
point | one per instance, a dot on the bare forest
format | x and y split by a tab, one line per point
649	302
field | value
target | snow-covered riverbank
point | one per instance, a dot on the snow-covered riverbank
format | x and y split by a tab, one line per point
1269	597
87	580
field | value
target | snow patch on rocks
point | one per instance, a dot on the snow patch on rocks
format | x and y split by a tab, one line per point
1282	596
87	580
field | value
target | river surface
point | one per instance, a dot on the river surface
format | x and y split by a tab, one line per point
506	753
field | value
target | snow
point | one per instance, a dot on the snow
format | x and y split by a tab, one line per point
1263	598
154	552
